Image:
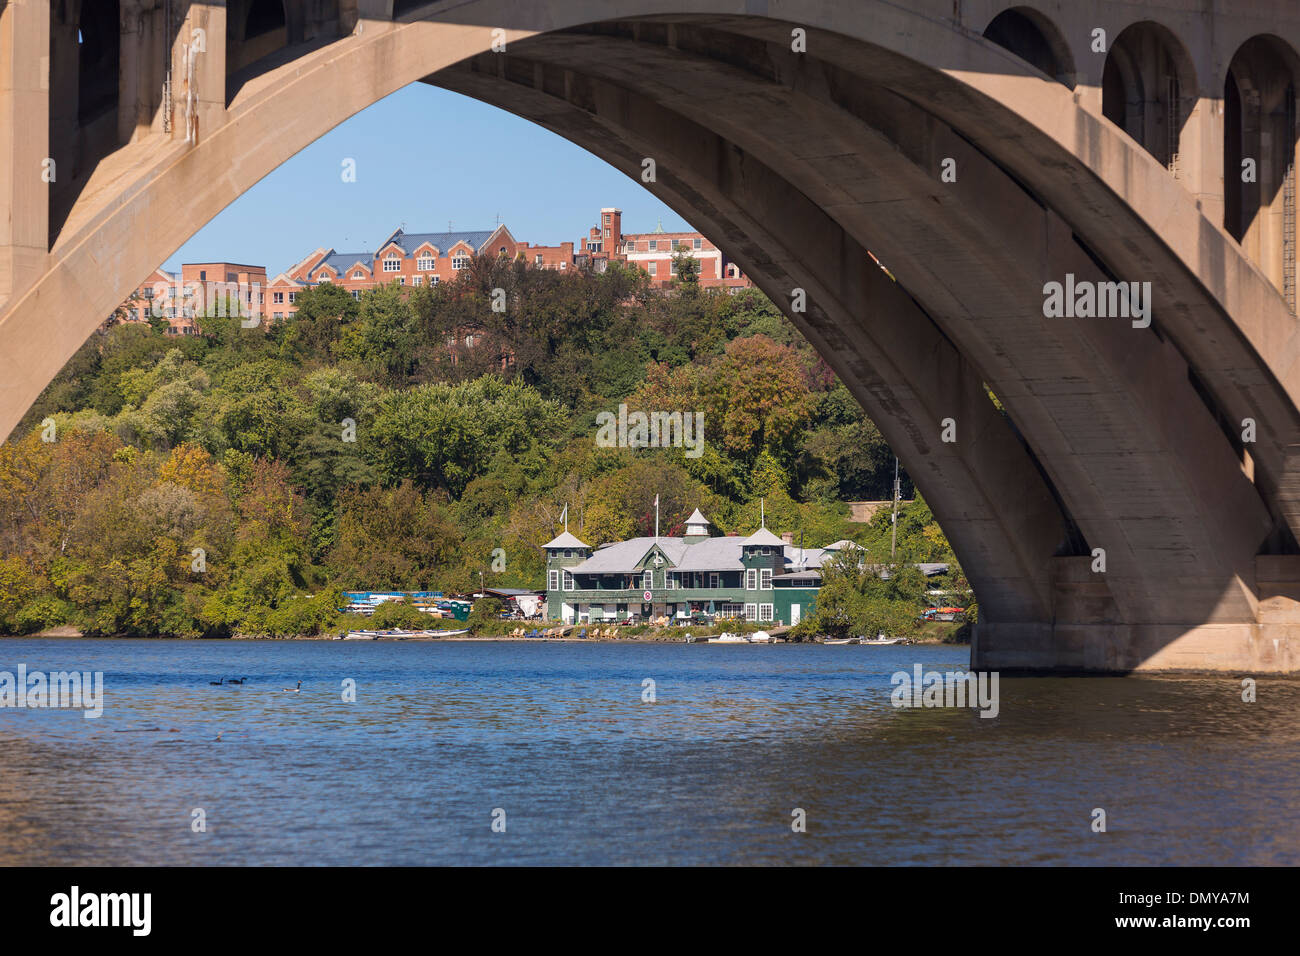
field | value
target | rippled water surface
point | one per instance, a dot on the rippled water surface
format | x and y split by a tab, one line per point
557	736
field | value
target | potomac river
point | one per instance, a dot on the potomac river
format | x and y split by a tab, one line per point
560	743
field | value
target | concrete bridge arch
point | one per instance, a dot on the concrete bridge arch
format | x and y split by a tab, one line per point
802	165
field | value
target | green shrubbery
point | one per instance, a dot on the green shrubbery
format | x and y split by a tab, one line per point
207	485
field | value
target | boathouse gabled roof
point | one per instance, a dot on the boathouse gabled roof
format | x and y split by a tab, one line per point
764	537
713	554
564	540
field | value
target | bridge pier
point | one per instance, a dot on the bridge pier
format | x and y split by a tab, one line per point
24	144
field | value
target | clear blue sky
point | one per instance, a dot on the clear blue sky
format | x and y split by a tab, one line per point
423	156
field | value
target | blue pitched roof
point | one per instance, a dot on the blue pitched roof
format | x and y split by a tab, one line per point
340	261
410	241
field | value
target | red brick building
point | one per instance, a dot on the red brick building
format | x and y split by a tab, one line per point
200	288
654	251
415	260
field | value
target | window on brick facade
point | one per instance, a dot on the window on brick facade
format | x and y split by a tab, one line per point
425	264
698	243
277	297
417	280
356	294
652	267
393	264
293	297
459	262
653	245
358	274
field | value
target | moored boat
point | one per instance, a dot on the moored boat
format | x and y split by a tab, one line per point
728	638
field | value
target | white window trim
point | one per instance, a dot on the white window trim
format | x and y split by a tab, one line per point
393	264
553	580
568	581
751	612
751	579
765	579
647	580
765	612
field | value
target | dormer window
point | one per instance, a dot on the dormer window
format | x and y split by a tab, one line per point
393	264
424	263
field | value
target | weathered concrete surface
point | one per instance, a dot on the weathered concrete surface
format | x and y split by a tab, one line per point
1116	438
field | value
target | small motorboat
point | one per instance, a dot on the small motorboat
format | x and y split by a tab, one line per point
728	638
880	640
760	637
843	640
397	634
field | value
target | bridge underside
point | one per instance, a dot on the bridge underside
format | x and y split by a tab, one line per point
1119	446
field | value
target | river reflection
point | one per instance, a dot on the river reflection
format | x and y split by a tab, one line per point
558	736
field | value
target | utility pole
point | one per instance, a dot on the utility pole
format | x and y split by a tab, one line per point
893	541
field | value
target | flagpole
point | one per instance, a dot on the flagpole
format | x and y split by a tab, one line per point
656	517
893	537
